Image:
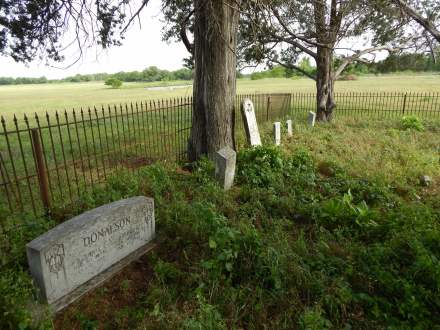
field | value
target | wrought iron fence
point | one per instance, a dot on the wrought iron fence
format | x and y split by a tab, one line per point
372	105
52	159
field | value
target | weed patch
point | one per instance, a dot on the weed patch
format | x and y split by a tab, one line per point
303	240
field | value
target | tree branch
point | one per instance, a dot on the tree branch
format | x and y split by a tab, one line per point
183	26
424	22
136	14
357	57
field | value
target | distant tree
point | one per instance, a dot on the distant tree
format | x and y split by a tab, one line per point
113	82
281	31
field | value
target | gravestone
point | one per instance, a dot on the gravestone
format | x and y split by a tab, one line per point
250	123
81	253
225	167
277	133
311	119
289	127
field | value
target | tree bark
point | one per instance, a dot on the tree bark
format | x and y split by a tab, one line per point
324	84
215	38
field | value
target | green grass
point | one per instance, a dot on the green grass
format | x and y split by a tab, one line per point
50	97
330	231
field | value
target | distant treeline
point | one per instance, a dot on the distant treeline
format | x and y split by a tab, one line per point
150	74
22	80
392	64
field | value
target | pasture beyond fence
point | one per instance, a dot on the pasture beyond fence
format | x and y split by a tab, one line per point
52	159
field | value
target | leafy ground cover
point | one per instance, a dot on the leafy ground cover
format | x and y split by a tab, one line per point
331	231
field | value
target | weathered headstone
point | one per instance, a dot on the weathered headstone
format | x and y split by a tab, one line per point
225	167
277	133
250	123
289	127
311	119
81	253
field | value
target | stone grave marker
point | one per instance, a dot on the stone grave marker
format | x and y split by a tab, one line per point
225	167
81	253
250	123
277	133
289	127
311	118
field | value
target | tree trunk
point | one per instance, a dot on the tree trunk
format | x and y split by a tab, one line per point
324	84
215	37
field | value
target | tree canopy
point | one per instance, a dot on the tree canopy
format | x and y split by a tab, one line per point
44	28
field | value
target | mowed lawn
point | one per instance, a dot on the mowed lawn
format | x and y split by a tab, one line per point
50	97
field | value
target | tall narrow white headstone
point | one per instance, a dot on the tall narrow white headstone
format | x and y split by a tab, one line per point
250	123
225	167
311	119
289	127
277	133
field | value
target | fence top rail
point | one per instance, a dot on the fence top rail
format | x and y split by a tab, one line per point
376	93
103	112
81	115
87	115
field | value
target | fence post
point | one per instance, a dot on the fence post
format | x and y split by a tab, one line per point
268	108
41	170
404	103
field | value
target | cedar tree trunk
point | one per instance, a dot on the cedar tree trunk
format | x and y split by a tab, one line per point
215	38
324	84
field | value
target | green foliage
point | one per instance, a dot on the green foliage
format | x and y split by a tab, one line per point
412	123
282	72
312	319
260	165
113	82
18	307
298	243
207	317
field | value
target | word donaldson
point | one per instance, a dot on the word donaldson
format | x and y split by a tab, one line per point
103	232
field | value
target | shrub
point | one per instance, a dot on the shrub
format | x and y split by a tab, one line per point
113	82
348	77
412	122
260	165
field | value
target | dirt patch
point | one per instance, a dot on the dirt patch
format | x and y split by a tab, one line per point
98	308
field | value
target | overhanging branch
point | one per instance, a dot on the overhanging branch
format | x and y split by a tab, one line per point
357	57
424	22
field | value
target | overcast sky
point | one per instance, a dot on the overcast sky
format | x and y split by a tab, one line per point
142	47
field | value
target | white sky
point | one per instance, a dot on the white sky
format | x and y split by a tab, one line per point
142	47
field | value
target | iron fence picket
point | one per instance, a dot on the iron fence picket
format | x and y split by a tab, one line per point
81	149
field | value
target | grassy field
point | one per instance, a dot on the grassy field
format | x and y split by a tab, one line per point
333	230
50	97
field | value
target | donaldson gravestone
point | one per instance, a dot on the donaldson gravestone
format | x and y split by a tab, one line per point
81	253
289	127
225	167
311	118
250	123
277	133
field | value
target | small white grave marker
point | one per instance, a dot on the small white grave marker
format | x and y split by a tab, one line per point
250	123
289	127
311	119
277	133
225	167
